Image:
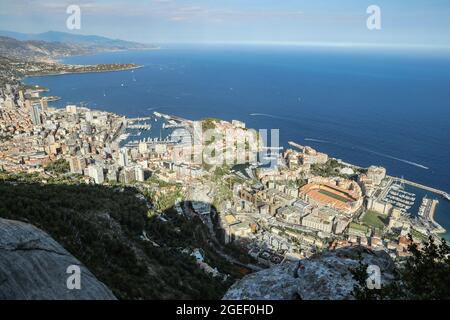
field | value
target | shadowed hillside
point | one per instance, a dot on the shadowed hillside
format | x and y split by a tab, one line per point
109	231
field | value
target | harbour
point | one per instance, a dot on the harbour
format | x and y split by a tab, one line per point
317	118
442	193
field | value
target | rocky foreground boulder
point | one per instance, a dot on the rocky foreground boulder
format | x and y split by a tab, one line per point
324	276
34	266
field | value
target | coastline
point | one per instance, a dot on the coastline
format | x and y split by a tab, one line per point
63	73
60	59
81	72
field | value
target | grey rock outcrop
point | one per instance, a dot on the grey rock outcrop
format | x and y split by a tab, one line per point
324	276
33	266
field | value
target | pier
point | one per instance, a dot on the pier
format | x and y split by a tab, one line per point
139	119
172	117
423	187
432	210
426	212
296	145
139	126
442	193
172	126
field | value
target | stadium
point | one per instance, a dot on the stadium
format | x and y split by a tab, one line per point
340	194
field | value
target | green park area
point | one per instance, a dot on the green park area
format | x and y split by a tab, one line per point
374	219
358	228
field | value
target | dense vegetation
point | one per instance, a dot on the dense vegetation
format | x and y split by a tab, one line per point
223	183
104	228
209	124
163	194
329	169
423	276
59	166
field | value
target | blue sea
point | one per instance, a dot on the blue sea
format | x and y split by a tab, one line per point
382	107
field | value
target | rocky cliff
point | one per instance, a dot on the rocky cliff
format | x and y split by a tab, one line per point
324	276
33	266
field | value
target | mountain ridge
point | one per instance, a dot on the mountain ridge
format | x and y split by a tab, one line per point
52	45
67	37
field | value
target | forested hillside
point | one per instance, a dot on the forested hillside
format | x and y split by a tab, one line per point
107	228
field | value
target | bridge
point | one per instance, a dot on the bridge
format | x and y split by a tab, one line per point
423	187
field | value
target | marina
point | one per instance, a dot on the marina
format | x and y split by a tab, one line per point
426	213
400	198
135	123
340	144
427	207
423	187
144	126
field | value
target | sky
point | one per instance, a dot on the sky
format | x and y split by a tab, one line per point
403	22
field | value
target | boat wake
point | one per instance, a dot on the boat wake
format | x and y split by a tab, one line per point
262	115
316	140
395	158
412	163
270	116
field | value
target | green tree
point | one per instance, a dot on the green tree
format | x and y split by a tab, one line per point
425	275
58	166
